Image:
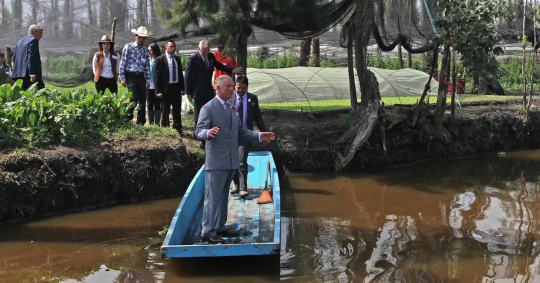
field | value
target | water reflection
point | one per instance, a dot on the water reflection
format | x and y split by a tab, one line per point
468	220
446	221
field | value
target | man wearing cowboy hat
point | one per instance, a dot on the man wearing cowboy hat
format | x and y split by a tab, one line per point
104	66
135	73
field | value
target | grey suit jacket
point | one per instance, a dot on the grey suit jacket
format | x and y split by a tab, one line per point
222	150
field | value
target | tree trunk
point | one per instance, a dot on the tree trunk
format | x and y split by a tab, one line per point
17	14
474	84
67	22
350	64
442	92
400	56
366	114
483	86
453	101
35	6
104	17
316	52
91	17
305	47
241	60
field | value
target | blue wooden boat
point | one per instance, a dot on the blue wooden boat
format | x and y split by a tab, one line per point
258	224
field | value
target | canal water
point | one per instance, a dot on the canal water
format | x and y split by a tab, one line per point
463	220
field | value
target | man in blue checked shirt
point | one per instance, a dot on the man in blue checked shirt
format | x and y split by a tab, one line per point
135	73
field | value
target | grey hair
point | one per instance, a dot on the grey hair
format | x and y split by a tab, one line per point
203	43
221	80
34	28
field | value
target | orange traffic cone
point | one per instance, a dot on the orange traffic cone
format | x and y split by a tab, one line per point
265	195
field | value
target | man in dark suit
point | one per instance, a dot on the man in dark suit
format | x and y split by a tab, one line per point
169	83
247	106
26	59
220	127
199	70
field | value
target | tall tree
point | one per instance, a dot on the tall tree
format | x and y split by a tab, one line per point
232	21
467	27
118	8
316	52
67	20
152	22
34	5
54	11
305	48
6	17
17	14
91	16
104	20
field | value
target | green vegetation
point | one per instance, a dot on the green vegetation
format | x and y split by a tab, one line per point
163	231
49	116
79	115
324	105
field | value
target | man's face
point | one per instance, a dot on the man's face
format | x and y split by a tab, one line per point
140	40
170	48
1	60
38	34
241	88
205	49
226	91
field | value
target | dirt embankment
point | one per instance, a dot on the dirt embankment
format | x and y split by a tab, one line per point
56	180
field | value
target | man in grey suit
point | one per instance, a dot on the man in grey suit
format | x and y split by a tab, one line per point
26	59
220	126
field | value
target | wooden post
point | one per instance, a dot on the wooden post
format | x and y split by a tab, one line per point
9	55
113	29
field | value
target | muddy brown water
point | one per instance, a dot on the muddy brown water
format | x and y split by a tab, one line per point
463	220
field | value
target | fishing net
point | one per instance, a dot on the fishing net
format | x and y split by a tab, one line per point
73	27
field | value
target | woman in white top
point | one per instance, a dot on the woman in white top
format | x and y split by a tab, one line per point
153	103
104	66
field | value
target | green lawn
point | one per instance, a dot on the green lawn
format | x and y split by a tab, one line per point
322	105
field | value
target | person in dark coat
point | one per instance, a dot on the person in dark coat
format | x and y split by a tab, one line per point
198	77
247	107
169	83
27	60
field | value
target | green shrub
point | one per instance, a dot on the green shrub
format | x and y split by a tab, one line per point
70	116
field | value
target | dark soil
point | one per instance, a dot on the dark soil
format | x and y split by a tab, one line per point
62	179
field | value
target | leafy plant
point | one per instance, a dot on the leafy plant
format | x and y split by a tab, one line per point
163	231
69	116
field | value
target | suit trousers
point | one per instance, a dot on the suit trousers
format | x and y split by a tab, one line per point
173	98
240	177
27	83
216	199
136	84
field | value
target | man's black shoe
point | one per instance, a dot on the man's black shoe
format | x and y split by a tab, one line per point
228	233
213	240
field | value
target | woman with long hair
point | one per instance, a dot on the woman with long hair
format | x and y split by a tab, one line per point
152	102
104	66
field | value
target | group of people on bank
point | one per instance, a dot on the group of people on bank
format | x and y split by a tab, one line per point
224	113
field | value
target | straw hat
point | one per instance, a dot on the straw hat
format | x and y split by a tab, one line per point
141	31
105	38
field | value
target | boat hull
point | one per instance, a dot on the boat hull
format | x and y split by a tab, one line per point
258	224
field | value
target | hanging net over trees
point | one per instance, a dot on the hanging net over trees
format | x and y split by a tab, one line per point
73	27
